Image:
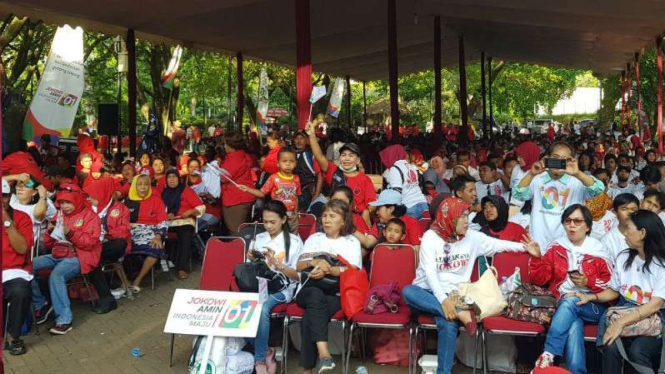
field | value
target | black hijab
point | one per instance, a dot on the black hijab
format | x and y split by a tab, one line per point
500	223
172	196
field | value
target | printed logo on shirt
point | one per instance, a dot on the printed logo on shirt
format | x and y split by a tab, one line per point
452	262
635	294
115	213
412	177
553	198
78	223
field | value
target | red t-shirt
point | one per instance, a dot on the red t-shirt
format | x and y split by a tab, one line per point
159	186
513	232
360	184
11	259
188	200
239	165
284	189
413	233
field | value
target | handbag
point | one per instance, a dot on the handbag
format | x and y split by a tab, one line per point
530	303
63	250
651	326
353	287
485	293
383	298
245	275
328	284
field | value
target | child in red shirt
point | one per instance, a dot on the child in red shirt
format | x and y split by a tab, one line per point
283	186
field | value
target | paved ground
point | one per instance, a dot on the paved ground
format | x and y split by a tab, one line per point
103	344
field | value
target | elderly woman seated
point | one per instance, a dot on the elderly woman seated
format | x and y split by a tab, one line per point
148	225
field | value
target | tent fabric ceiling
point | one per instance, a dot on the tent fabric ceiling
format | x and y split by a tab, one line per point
350	36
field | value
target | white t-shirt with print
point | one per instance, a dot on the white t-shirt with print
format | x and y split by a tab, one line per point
263	241
345	246
495	188
615	242
601	227
407	181
636	284
30	210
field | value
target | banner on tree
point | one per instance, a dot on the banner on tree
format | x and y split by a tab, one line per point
169	77
59	91
263	101
335	103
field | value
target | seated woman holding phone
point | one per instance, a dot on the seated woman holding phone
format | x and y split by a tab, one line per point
281	251
554	183
319	290
575	265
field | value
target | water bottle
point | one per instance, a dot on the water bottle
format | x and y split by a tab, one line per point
504	285
361	370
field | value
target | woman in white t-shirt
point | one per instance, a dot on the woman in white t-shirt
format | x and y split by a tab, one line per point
638	280
281	251
322	302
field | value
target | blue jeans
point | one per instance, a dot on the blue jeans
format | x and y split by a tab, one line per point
263	333
423	301
417	210
205	220
64	269
567	331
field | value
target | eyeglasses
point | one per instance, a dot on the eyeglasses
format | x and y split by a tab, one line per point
575	221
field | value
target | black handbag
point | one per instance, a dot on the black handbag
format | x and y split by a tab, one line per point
247	272
328	284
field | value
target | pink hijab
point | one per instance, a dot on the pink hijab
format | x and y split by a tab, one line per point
392	154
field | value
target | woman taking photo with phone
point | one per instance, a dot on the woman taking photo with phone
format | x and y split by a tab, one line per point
281	251
573	266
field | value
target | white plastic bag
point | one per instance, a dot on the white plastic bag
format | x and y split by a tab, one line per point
501	352
237	362
510	284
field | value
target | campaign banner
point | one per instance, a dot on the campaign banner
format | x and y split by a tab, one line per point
335	103
198	312
169	76
60	88
263	100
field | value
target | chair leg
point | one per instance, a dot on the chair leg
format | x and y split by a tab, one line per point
475	352
285	344
410	348
4	337
484	352
171	352
350	348
414	363
124	281
152	278
86	283
345	363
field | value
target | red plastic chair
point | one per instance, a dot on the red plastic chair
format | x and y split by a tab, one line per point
305	223
424	224
389	263
590	333
505	264
221	257
222	254
426	215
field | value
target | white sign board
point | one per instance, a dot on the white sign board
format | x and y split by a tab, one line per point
214	313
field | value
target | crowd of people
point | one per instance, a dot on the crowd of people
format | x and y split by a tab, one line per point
588	207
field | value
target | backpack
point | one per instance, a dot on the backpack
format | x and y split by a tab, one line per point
530	303
421	180
338	179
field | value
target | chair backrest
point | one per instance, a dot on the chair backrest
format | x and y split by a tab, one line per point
393	262
377	181
424	224
426	214
305	223
221	257
506	262
248	230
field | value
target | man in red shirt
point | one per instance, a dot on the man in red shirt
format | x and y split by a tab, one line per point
17	242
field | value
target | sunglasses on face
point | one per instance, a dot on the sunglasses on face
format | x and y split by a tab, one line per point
573	221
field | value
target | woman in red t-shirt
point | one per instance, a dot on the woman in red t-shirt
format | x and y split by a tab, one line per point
269	164
236	204
349	159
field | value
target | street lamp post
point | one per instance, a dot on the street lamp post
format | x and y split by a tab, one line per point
121	68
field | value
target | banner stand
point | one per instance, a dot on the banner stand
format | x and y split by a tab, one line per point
206	353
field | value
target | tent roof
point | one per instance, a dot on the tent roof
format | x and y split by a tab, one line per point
350	36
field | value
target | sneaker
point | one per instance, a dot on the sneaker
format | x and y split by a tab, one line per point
165	266
60	328
544	361
171	265
271	364
16	347
118	293
41	315
326	364
260	368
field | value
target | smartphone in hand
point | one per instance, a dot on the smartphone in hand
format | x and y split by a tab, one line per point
555	163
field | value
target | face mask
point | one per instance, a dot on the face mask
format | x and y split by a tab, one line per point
349	170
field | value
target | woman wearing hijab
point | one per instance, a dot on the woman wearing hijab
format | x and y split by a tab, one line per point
448	252
75	236
402	177
573	266
437	169
493	220
148	225
115	234
183	205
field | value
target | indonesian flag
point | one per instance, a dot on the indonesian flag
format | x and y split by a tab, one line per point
169	76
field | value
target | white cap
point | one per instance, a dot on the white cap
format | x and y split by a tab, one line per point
5	187
524	131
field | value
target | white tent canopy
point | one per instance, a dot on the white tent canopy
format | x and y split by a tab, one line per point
350	37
